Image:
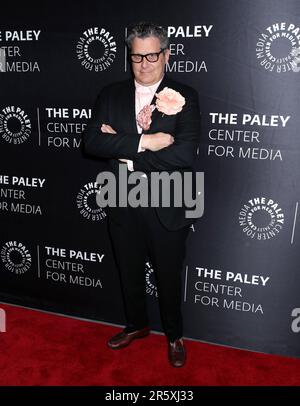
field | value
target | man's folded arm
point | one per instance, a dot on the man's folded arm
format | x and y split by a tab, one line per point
180	155
105	145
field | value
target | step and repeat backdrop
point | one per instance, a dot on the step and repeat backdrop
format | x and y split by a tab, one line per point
241	276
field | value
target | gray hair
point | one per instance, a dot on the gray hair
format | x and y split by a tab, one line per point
145	30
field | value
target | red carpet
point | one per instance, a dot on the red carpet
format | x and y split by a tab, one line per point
44	349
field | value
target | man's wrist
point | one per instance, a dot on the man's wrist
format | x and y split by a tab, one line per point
144	142
130	165
140	147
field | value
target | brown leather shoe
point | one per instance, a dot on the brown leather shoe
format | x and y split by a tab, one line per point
123	339
177	353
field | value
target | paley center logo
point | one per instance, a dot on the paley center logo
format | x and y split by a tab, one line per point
15	125
12	58
278	48
96	49
184	58
151	287
86	202
261	218
16	257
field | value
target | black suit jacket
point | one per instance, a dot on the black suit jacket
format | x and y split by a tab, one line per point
115	106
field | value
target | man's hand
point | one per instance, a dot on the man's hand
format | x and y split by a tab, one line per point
106	128
155	142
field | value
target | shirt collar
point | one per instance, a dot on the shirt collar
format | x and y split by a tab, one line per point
147	89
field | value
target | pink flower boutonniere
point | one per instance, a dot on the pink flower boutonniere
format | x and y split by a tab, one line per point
168	102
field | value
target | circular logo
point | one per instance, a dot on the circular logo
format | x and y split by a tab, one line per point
15	126
96	49
261	218
86	202
151	288
276	48
16	257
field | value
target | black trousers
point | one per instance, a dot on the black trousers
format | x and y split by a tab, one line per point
137	237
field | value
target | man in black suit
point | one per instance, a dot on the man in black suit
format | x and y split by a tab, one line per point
170	144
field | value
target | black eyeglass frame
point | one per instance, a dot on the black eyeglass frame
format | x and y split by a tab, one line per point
145	56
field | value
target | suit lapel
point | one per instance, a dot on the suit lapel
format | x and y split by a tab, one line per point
128	106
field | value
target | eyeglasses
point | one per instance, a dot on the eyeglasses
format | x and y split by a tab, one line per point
152	57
